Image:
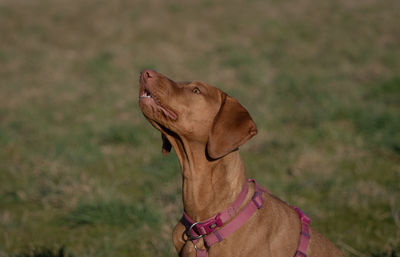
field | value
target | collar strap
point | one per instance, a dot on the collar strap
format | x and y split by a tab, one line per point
202	228
207	228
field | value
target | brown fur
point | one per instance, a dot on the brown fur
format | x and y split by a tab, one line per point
205	126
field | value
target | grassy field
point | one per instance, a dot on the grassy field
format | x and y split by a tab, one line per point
80	168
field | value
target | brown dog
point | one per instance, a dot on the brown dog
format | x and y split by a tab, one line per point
205	126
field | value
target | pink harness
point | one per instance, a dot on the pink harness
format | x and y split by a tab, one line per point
208	229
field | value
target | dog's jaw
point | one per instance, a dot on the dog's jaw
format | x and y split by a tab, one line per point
150	103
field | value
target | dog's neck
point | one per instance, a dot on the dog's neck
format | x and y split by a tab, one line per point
208	187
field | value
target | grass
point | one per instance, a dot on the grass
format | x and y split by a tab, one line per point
112	213
81	171
45	252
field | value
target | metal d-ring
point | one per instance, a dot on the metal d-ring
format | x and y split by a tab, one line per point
191	237
195	246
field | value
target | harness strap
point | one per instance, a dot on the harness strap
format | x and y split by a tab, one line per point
202	253
304	234
217	236
207	229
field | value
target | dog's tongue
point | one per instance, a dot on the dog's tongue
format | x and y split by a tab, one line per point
170	114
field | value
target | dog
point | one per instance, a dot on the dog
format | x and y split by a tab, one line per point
224	213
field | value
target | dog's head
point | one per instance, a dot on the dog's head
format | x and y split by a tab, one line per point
195	111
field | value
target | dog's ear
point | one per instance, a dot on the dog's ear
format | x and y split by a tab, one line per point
232	127
166	145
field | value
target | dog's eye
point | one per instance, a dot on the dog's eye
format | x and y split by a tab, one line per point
196	90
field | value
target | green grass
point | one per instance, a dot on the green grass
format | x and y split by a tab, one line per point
81	170
113	213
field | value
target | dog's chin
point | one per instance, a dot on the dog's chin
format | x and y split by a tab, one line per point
158	123
163	128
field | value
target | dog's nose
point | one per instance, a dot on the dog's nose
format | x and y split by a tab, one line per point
148	74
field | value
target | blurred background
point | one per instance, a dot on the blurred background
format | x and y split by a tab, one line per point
81	170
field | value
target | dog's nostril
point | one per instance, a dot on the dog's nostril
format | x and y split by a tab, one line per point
148	74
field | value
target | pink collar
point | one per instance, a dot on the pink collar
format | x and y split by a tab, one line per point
207	229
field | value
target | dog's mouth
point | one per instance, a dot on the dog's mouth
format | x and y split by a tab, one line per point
149	98
145	94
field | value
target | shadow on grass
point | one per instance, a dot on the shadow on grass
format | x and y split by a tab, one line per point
392	253
44	252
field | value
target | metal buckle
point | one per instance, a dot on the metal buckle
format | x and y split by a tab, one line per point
192	237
